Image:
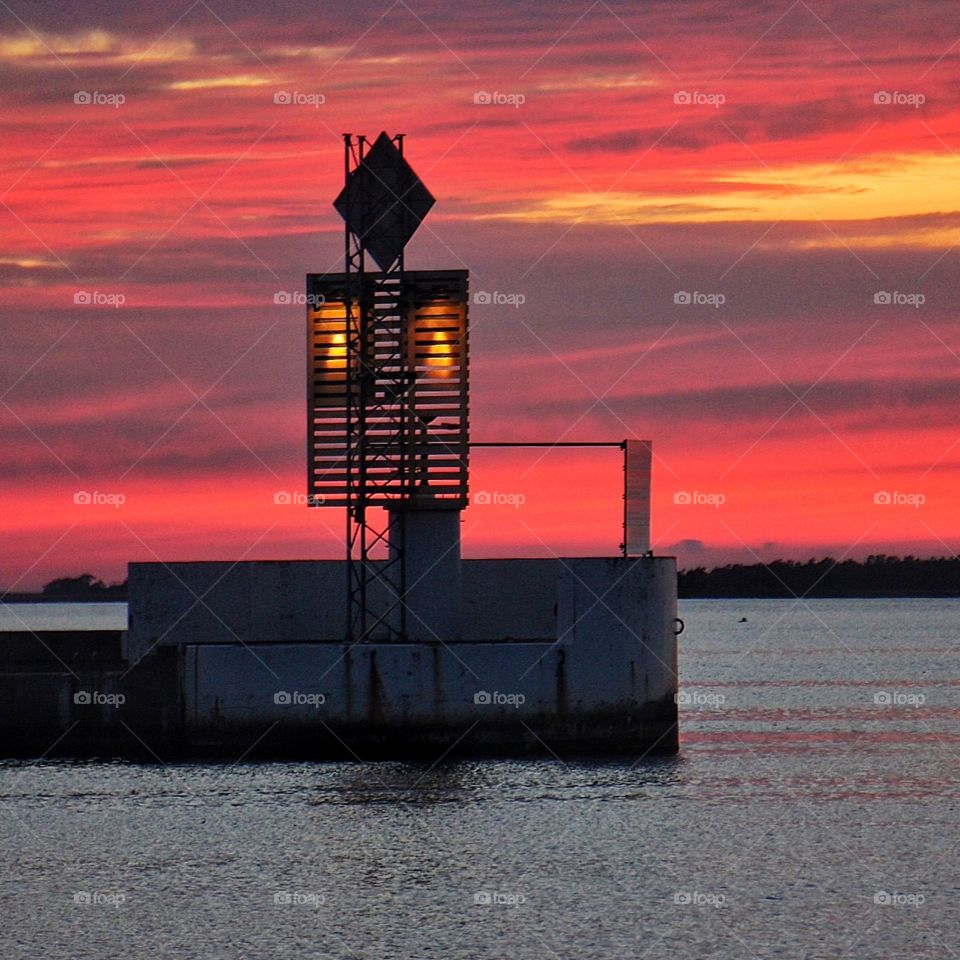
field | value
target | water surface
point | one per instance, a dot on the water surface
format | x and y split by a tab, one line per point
811	814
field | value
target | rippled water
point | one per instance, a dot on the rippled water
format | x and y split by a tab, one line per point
811	814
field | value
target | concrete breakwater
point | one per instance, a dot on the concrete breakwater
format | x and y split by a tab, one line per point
223	660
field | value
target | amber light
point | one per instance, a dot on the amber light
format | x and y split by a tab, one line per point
435	341
331	359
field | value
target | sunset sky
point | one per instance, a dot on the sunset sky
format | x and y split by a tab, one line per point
794	165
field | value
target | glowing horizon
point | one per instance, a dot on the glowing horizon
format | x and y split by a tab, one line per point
735	237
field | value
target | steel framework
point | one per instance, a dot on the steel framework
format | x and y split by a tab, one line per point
387	407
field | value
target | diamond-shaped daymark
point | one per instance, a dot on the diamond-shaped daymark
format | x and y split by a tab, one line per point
383	202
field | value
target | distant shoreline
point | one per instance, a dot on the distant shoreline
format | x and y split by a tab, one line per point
877	578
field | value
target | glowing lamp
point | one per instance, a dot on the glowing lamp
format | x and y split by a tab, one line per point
436	340
335	365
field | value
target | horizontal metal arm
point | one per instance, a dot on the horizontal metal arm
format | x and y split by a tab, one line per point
566	443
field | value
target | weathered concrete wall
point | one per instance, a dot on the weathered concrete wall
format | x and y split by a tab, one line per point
227	602
603	680
303	600
510	599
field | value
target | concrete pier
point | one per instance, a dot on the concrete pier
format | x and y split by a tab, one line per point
575	655
558	657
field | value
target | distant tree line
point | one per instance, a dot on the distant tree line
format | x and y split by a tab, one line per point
878	576
84	588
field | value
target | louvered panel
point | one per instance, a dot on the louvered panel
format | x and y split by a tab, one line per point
413	365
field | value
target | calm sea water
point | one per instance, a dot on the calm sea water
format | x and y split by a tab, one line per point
63	616
812	814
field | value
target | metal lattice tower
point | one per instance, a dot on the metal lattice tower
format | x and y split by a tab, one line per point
388	403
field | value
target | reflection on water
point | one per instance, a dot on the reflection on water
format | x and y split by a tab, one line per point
810	815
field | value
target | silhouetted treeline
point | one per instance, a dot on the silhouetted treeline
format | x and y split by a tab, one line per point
878	576
83	589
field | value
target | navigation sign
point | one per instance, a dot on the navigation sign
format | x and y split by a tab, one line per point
383	202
